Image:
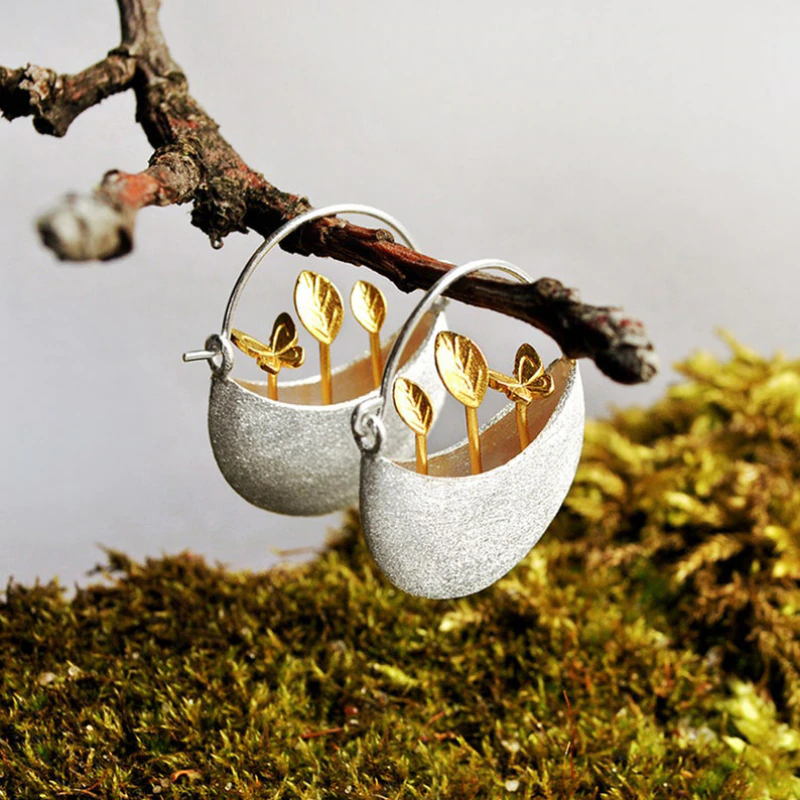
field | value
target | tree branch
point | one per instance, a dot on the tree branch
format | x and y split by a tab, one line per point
53	100
192	162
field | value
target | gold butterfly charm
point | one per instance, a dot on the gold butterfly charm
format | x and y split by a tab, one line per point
249	345
321	310
465	374
282	350
529	381
369	308
416	410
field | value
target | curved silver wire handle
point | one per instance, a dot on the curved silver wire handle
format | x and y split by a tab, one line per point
367	420
219	345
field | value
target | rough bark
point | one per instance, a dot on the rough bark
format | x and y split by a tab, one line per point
192	162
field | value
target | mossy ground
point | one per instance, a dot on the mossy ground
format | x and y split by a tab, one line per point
648	647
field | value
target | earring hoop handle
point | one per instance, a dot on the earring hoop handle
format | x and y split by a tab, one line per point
289	228
219	351
367	421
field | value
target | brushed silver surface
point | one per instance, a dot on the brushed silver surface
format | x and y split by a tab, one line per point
295	457
441	536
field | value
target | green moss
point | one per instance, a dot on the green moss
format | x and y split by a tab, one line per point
697	500
647	648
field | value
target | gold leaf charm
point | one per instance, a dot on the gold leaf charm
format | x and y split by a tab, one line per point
368	305
369	308
413	406
415	409
319	306
321	310
462	368
464	372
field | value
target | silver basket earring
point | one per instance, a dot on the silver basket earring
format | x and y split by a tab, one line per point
294	456
450	533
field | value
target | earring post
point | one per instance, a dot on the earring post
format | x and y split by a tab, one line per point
198	355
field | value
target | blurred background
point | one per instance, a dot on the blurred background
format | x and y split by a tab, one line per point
644	153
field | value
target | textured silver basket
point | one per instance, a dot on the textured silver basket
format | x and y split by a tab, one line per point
295	456
450	533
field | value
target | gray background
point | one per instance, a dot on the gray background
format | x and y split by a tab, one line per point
644	152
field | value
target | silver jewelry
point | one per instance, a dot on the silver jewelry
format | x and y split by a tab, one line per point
294	456
450	533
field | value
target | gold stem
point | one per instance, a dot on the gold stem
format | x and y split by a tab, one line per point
375	352
522	426
325	369
474	440
422	454
272	386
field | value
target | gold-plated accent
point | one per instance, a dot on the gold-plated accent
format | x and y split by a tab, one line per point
473	433
319	306
529	381
416	410
465	374
522	426
462	368
369	308
326	383
321	310
272	386
282	350
249	345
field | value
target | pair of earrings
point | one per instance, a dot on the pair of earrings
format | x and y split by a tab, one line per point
446	531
